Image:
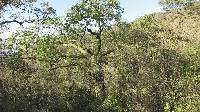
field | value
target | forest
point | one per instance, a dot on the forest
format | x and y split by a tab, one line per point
91	61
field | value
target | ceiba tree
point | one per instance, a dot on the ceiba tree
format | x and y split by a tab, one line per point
94	17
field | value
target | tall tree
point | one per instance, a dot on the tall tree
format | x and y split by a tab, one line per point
94	17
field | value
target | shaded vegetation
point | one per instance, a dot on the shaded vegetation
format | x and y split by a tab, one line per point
90	61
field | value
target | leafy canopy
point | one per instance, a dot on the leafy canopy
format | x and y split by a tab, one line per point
94	13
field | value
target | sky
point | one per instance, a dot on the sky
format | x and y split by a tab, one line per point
132	8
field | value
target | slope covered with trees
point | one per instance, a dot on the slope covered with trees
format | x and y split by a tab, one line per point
91	61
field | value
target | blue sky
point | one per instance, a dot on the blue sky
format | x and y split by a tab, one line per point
133	8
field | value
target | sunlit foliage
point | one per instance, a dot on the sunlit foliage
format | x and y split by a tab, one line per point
90	61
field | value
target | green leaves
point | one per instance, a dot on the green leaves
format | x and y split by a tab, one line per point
173	4
53	21
149	65
94	13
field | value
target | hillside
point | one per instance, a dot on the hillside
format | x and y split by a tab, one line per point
149	65
177	28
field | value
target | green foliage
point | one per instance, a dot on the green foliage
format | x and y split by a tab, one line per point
173	4
150	65
16	3
97	14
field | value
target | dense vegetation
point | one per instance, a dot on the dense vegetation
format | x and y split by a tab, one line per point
91	61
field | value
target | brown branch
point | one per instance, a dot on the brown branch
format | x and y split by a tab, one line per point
87	49
93	33
98	37
19	22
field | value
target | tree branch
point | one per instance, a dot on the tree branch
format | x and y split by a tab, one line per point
16	21
90	31
98	36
